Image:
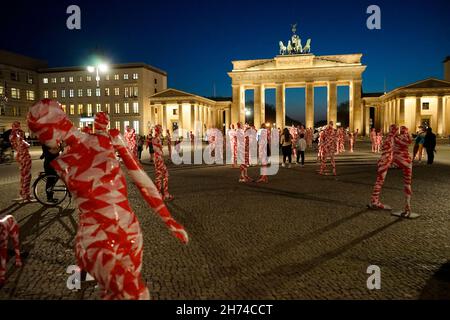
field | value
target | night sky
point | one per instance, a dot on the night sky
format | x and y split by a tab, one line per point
195	41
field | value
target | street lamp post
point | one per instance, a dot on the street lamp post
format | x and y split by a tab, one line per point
101	67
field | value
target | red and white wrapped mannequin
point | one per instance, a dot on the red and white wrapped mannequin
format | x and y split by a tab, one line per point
263	154
351	141
212	141
294	133
403	161
373	139
383	165
8	229
328	142
161	172
20	146
232	135
320	146
243	146
130	139
340	140
109	243
169	143
378	142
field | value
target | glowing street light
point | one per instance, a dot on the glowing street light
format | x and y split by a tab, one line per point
101	67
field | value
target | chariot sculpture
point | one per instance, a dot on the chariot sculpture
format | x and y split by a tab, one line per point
294	46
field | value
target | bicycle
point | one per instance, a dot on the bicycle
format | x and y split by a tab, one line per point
47	184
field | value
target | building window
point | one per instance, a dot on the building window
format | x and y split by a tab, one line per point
72	109
14	76
106	92
98	107
46	94
126	124
30	79
63	79
54	94
174	112
136	126
80	79
63	106
135	92
2	90
126	92
97	92
117	108
16	111
63	93
80	92
117	125
89	92
426	106
107	77
89	110
70	79
107	108
126	107
88	78
30	95
116	91
116	77
45	80
135	107
125	76
53	80
71	94
15	93
135	76
156	81
80	109
156	90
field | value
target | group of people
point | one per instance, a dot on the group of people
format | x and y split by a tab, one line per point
425	140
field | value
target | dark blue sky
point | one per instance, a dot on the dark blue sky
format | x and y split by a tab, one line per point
195	41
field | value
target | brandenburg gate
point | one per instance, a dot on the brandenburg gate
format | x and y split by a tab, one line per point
296	67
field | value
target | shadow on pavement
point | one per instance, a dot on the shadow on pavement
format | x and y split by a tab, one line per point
438	286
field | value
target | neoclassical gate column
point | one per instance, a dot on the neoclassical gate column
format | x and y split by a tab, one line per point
401	112
238	112
309	105
259	106
355	106
332	102
440	115
180	115
227	119
280	105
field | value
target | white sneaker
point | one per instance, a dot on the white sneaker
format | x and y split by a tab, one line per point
283	165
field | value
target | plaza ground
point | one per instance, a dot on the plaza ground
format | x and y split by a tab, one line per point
302	236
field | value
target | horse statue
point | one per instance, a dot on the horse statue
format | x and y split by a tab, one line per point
298	44
307	47
282	48
289	47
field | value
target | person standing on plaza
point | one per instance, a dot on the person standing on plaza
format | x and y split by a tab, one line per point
418	146
286	147
430	145
150	146
140	147
301	147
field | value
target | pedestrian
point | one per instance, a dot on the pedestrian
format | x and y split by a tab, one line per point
150	146
286	147
140	146
301	147
418	146
430	145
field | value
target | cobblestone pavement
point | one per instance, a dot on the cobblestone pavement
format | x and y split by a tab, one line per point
302	236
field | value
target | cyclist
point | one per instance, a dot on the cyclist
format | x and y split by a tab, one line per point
48	155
